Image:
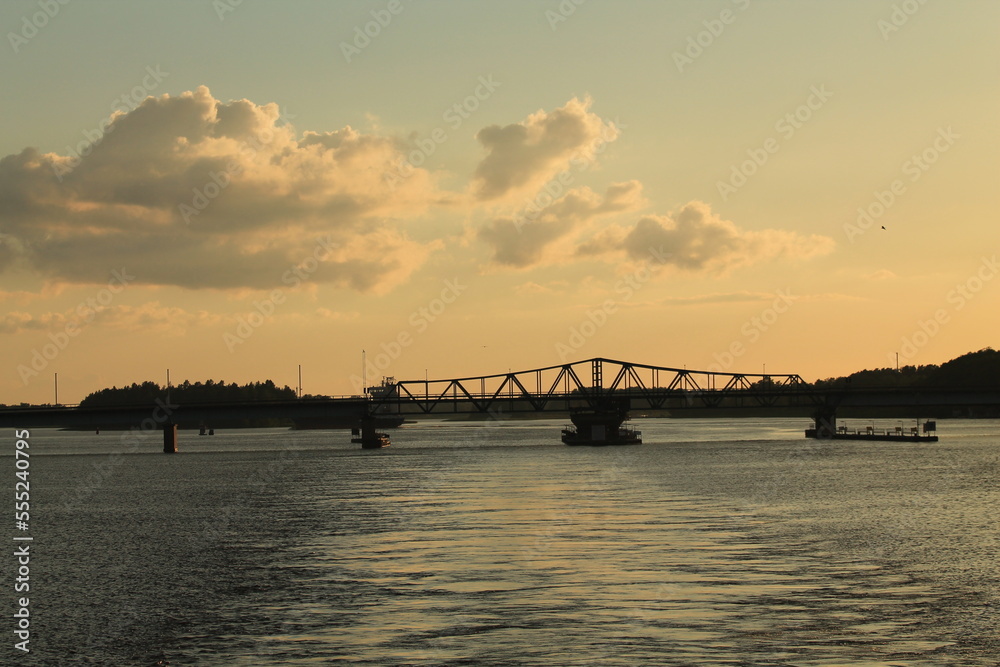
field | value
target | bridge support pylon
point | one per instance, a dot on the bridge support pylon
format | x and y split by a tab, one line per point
368	435
170	438
602	426
825	421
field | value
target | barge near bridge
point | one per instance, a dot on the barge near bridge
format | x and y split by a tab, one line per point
898	434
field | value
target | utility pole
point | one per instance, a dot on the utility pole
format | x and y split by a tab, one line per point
57	389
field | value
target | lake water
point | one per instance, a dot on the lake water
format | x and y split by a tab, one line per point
716	542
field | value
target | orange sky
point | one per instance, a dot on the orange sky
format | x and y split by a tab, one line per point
700	185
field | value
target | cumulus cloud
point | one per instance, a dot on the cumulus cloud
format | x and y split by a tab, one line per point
524	155
521	241
696	239
190	191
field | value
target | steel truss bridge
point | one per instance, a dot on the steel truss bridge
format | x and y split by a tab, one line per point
592	384
599	386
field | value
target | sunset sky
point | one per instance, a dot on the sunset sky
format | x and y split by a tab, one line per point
230	189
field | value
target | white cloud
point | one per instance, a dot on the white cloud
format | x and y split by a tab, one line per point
191	191
696	239
692	239
523	156
519	242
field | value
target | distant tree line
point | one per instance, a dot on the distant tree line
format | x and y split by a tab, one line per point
975	370
198	392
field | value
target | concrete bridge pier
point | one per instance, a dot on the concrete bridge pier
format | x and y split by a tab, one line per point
596	426
170	438
368	436
825	420
601	426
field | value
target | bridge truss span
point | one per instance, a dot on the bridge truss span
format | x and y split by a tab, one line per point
592	384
